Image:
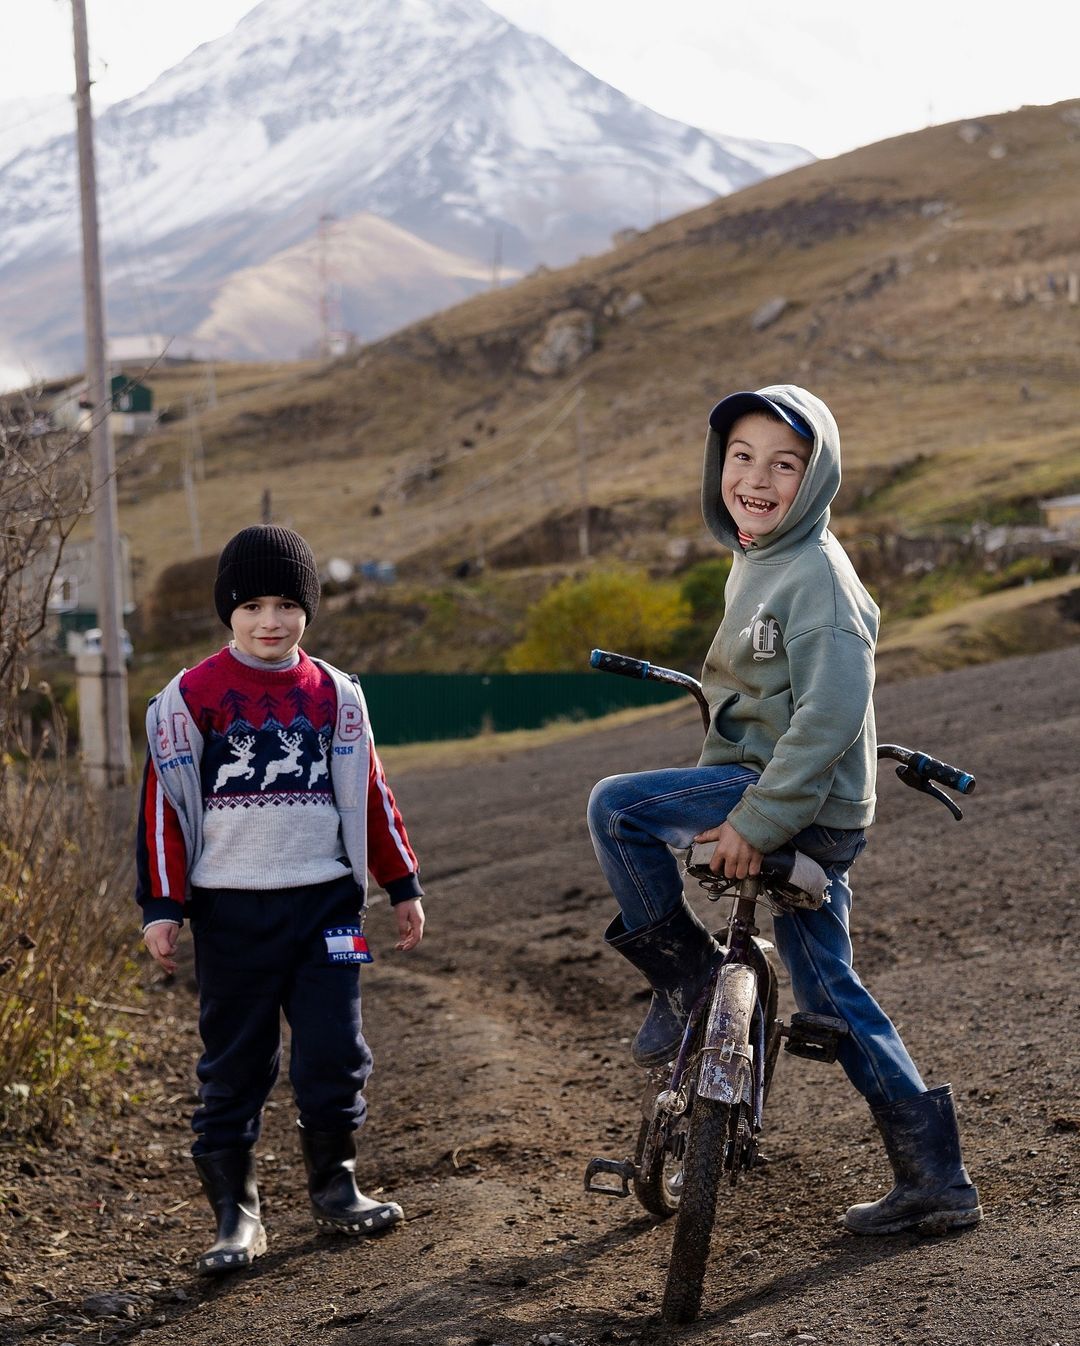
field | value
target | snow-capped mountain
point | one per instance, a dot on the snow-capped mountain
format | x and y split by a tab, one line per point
27	122
438	116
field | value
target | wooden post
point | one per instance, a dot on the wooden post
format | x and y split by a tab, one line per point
583	480
191	450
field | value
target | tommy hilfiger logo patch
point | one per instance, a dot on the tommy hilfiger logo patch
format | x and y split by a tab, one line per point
346	944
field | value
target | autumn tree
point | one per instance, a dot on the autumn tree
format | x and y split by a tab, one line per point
621	610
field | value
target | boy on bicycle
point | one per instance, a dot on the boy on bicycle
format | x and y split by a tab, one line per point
790	755
264	805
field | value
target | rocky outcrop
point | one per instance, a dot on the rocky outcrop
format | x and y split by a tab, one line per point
568	337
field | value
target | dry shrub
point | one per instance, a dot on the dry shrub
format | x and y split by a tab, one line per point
65	936
178	610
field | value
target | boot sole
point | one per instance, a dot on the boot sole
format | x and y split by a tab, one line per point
362	1227
217	1264
937	1222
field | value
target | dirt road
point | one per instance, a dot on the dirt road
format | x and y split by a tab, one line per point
502	1067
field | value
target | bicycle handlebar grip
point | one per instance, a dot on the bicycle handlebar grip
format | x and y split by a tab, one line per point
929	768
619	663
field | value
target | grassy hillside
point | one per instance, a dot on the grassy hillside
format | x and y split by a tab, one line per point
926	287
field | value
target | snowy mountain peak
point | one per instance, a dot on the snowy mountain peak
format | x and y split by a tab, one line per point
438	116
326	49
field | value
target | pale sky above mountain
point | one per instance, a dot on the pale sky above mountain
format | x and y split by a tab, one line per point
828	76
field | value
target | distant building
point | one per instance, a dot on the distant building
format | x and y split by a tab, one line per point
140	352
132	406
1062	514
72	604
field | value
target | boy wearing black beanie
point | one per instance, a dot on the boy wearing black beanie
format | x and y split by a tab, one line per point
264	804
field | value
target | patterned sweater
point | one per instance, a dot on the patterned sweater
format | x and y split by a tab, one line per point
269	816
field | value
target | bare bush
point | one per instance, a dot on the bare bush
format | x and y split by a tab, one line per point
65	941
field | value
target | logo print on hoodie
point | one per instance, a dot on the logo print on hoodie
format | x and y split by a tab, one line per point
763	634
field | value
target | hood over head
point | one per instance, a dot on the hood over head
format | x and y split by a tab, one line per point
811	419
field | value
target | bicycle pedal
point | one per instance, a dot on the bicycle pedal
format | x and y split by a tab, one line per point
816	1037
620	1168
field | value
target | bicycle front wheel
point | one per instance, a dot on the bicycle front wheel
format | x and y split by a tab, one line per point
716	1137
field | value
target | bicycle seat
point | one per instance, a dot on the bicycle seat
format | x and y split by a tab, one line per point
790	878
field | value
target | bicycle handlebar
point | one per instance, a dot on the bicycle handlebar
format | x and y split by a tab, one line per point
622	664
928	768
917	769
607	662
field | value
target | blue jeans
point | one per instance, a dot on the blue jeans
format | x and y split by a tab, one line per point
635	819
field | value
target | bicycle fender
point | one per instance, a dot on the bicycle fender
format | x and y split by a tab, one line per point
725	1073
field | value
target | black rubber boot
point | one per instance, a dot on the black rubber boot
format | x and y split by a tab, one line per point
676	955
228	1179
933	1191
338	1206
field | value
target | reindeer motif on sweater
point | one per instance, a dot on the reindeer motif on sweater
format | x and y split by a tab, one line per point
289	765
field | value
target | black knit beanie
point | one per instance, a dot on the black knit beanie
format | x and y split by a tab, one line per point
266	560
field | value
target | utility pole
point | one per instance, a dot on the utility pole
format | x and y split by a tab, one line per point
116	764
333	339
192	457
324	286
583	479
496	259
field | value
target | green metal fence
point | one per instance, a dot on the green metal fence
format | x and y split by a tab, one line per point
419	707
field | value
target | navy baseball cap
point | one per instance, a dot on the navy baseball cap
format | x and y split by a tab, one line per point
724	415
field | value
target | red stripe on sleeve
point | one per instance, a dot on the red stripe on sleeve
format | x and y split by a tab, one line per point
164	842
390	855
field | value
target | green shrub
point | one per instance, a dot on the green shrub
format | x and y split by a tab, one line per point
1024	570
621	610
702	587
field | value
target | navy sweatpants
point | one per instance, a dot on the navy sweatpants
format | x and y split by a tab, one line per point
258	955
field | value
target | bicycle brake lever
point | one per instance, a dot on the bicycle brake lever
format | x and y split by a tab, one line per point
912	778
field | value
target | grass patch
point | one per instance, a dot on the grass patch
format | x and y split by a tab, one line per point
1042	615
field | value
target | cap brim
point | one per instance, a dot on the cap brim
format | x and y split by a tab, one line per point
726	412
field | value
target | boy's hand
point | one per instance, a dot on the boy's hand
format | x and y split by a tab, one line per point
733	857
161	941
410	923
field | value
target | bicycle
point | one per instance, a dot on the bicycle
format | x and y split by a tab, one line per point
703	1113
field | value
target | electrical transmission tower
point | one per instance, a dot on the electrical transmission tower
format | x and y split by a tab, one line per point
333	338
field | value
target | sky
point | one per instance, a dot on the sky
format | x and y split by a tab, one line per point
824	74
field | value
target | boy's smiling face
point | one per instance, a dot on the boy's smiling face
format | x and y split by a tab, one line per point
764	464
268	628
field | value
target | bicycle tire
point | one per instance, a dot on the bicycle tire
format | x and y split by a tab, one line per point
658	1190
713	1126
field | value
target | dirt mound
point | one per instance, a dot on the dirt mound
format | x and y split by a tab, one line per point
502	1067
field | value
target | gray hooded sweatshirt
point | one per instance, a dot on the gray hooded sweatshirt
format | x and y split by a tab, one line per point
790	673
